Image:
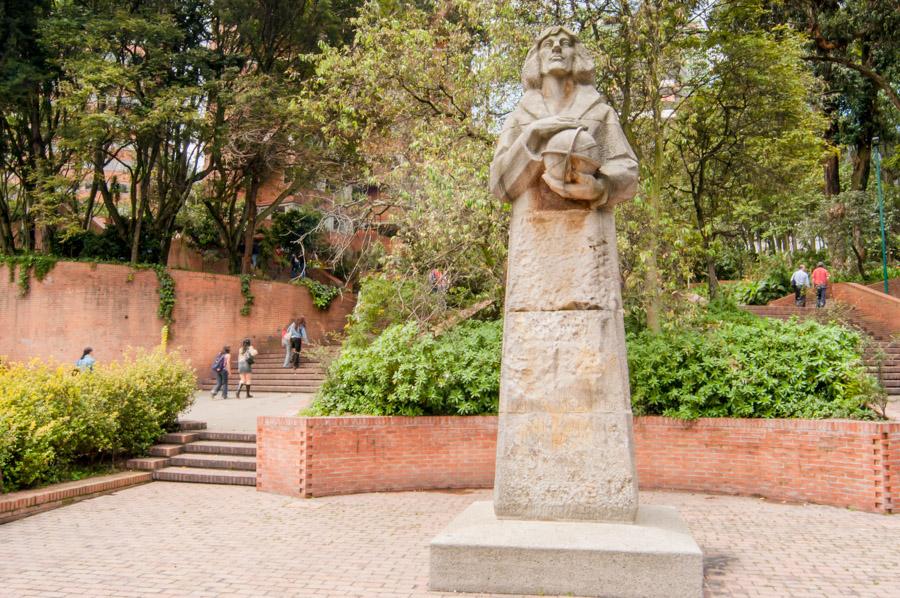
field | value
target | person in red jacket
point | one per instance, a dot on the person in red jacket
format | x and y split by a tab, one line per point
820	282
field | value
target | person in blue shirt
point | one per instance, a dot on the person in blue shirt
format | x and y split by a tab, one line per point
297	334
87	361
800	282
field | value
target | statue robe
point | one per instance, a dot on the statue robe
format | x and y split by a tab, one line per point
517	160
564	448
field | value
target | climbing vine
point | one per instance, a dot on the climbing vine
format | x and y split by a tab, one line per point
322	294
166	293
247	294
26	264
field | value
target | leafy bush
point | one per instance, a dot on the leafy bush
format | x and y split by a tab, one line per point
52	417
750	368
322	294
405	372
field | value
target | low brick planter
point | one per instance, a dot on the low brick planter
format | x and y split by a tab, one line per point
16	505
833	462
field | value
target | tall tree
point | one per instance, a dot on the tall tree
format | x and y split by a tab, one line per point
750	131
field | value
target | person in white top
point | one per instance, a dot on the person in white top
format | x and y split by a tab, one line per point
800	282
246	355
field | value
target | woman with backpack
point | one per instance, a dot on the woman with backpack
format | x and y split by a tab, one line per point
221	366
246	356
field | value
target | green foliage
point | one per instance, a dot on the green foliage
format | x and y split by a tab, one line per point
750	368
322	294
380	302
774	282
293	227
717	361
407	372
166	292
246	294
40	264
54	419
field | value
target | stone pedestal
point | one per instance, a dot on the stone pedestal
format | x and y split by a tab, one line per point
654	557
564	447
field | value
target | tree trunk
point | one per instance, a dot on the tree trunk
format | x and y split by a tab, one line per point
861	164
138	224
250	231
832	175
712	279
7	240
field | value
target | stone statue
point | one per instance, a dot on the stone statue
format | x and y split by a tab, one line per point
564	450
565	517
562	116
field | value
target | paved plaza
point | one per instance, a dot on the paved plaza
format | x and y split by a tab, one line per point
168	539
239	415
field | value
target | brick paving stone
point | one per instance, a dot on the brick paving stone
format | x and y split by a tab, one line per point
169	539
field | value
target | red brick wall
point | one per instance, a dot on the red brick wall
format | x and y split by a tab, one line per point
346	455
113	307
281	445
876	307
841	463
821	461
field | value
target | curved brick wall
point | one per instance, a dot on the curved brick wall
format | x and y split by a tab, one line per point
841	463
113	307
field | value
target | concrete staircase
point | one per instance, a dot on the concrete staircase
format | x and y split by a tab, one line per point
883	357
270	376
195	454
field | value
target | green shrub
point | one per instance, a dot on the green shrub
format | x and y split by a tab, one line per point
405	372
322	294
52	418
721	362
752	368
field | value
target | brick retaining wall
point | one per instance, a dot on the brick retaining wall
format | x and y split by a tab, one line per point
841	463
112	307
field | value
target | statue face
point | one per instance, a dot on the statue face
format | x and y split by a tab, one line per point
557	53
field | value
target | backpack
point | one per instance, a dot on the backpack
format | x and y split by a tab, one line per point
219	364
250	359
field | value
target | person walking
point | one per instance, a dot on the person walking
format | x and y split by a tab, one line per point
286	343
220	366
87	361
820	281
246	356
800	282
297	332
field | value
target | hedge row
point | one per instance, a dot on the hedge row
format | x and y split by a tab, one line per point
54	417
747	367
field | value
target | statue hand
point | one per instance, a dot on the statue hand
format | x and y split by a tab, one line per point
584	187
549	126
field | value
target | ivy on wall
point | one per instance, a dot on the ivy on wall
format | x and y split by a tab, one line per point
40	265
166	293
247	294
322	294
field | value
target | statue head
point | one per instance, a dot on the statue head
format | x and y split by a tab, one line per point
557	51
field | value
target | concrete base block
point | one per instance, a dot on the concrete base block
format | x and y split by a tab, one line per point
654	557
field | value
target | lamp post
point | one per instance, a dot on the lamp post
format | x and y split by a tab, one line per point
876	156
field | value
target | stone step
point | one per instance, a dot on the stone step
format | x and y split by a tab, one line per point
147	463
201	460
221	447
229	436
298	388
179	437
205	476
283	374
190	425
166	450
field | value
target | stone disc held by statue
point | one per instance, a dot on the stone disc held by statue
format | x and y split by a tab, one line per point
570	151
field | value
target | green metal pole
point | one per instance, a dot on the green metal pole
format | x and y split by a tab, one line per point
877	158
